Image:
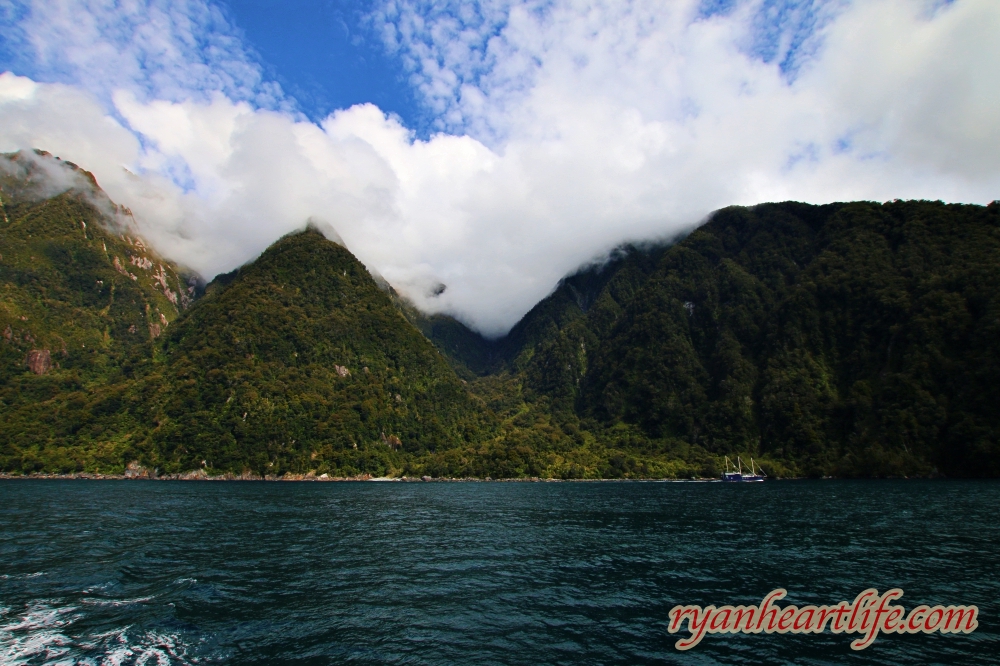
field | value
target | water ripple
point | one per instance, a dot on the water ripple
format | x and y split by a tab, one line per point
187	573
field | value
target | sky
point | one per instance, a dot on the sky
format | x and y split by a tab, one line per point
493	147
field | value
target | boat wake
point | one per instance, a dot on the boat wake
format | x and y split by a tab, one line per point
43	634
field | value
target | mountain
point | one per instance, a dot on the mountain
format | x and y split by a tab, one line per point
848	339
854	339
298	362
83	302
602	287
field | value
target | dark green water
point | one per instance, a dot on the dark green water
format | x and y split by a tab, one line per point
505	573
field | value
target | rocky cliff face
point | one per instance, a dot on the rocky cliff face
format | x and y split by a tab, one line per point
82	296
76	276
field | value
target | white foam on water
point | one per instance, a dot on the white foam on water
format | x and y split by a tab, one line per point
126	647
98	588
40	635
16	576
35	634
116	602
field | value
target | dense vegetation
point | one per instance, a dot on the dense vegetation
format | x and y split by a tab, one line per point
847	339
81	294
857	339
301	363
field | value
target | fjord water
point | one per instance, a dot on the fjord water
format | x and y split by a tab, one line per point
144	572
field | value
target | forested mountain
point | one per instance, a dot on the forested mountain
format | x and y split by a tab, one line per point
285	365
296	362
603	287
83	302
848	339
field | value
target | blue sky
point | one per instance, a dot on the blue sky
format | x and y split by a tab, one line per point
332	54
328	54
325	55
494	146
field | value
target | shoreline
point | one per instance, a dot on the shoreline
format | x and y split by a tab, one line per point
143	474
193	476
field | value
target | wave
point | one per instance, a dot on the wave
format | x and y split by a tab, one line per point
42	634
116	602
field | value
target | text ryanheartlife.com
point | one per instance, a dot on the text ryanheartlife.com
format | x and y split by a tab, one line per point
869	614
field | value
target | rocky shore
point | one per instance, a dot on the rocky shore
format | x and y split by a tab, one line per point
196	476
136	472
201	475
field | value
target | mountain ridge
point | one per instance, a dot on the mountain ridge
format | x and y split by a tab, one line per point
850	339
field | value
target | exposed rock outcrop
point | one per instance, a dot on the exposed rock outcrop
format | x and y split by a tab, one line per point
391	441
194	475
136	471
39	361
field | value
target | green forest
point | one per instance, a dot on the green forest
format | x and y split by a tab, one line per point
856	339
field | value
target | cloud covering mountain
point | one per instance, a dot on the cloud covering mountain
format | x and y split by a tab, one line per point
562	129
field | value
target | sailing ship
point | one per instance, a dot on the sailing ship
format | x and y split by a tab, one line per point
736	473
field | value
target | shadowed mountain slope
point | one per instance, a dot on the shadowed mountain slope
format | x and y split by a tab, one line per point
845	339
850	339
592	297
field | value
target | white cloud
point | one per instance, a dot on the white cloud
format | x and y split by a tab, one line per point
595	124
160	49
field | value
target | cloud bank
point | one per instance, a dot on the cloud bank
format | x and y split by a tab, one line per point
566	128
